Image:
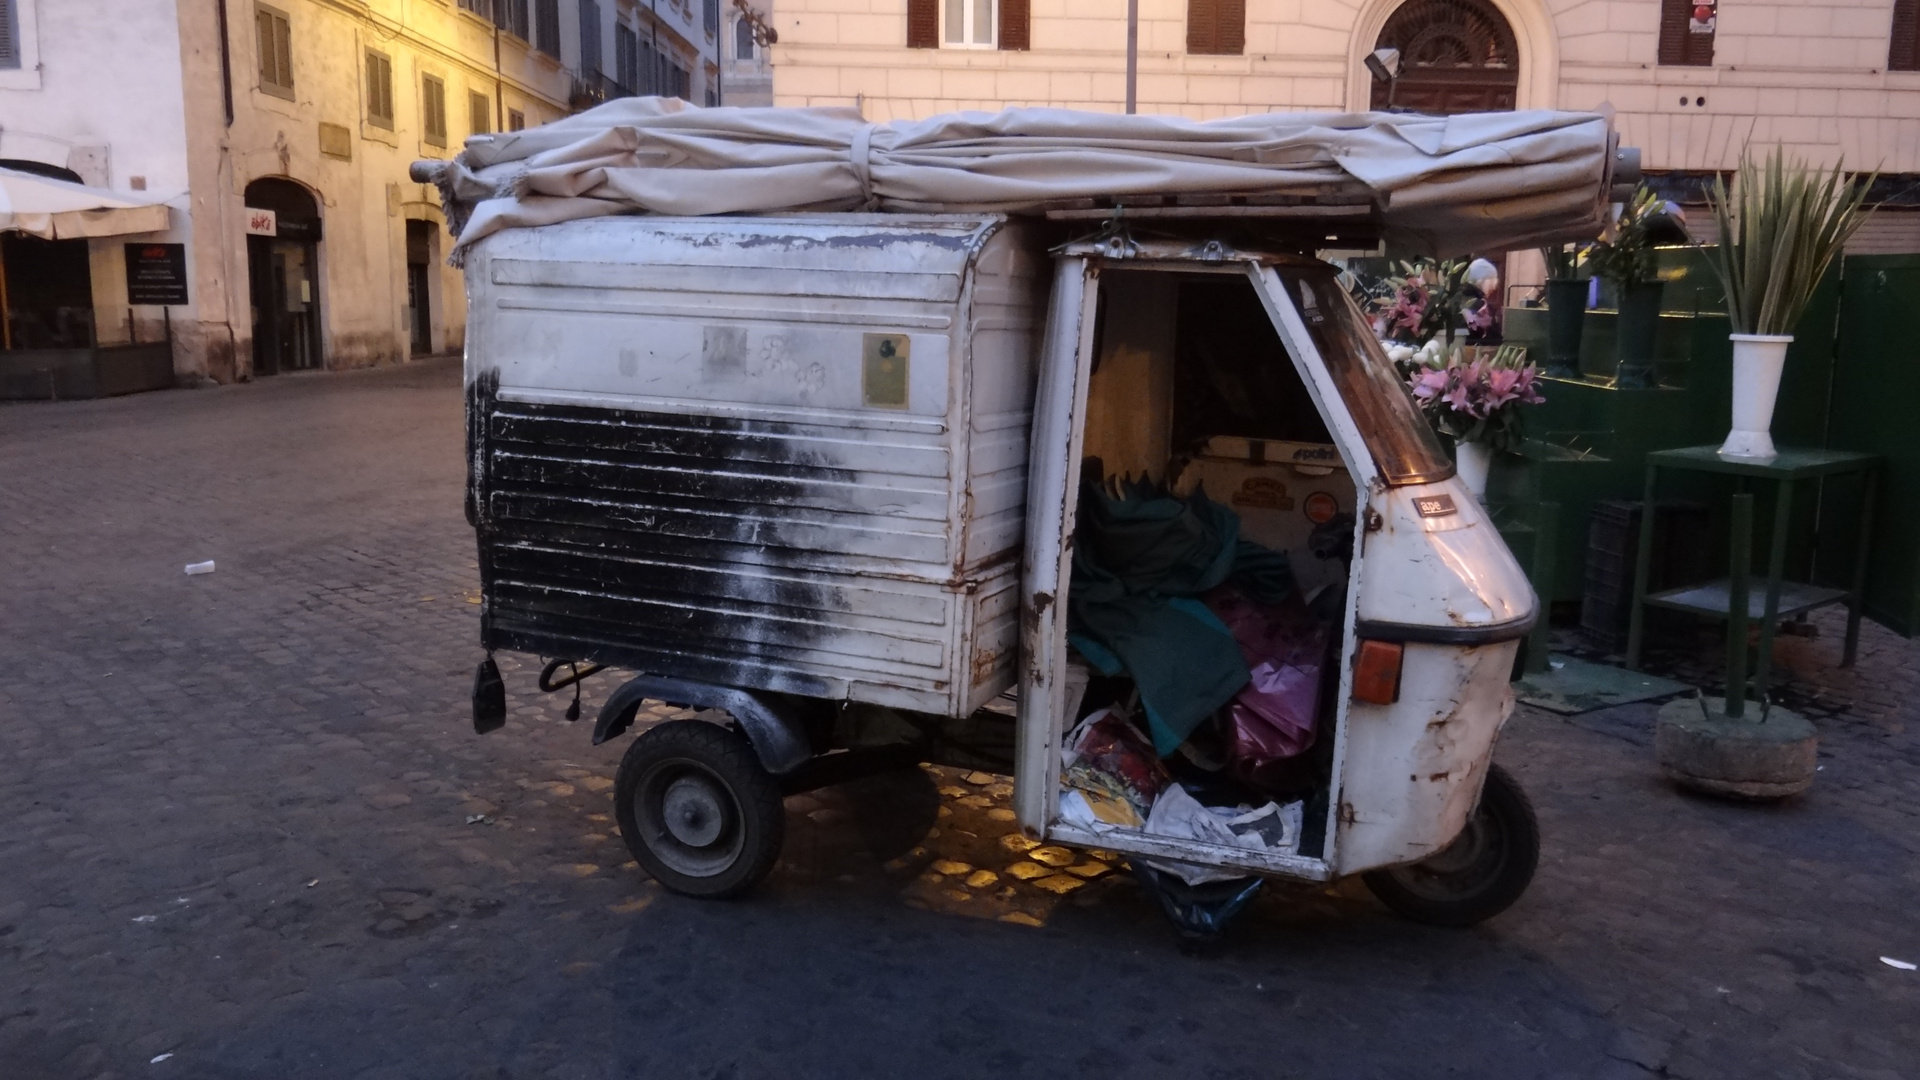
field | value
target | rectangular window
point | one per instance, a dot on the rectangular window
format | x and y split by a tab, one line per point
968	24
433	110
379	90
516	120
479	113
710	17
649	70
591	62
276	51
1904	54
482	8
9	35
1685	40
511	16
1216	27
546	27
742	39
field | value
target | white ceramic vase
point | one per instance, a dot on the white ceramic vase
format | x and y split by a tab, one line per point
1758	360
1472	461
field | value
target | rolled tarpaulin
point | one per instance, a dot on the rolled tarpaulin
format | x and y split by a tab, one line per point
1440	183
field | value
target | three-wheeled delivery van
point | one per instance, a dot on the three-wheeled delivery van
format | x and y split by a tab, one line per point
850	481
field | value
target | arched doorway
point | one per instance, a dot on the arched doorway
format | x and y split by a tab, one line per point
1455	56
283	274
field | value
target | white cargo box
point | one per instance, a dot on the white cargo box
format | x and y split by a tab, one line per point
777	453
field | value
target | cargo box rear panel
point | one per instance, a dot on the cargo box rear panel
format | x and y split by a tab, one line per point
776	453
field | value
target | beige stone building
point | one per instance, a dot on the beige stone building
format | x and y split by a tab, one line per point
1689	84
279	133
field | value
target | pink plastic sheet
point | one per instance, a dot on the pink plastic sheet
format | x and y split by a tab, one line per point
1274	718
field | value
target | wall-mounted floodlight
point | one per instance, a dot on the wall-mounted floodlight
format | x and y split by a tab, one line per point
1384	64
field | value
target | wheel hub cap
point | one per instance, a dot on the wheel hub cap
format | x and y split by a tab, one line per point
693	812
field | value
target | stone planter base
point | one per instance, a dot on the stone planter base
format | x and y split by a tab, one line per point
1742	759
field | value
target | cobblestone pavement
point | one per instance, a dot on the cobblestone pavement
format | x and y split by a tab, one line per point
249	833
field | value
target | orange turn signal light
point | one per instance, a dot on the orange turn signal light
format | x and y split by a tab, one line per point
1376	672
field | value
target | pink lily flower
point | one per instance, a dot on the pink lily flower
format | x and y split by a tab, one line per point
1429	384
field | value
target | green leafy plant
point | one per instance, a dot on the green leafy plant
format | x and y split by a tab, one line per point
1779	231
1628	255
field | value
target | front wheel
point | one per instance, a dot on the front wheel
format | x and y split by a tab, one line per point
697	809
1480	874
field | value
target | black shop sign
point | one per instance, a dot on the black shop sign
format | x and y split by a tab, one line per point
156	273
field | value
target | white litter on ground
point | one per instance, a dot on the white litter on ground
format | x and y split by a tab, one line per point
158	1058
197	568
1901	964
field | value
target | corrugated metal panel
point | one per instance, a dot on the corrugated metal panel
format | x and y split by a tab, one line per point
675	468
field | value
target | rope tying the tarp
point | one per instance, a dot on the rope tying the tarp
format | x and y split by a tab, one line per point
862	168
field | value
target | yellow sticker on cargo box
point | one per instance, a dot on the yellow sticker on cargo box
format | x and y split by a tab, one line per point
883	370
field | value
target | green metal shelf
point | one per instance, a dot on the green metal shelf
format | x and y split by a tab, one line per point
1714	598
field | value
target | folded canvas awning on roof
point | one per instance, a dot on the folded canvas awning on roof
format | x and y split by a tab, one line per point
61	210
1442	183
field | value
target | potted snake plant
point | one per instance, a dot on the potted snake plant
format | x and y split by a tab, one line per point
1780	229
1627	259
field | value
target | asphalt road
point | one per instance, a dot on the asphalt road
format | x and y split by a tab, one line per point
248	832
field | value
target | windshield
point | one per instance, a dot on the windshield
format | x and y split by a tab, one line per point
1401	440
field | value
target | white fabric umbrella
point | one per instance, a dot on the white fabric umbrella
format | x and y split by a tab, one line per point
1443	183
61	210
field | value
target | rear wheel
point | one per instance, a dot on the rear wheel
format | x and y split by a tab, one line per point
1481	873
697	809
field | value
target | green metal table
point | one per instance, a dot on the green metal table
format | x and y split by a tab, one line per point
1730	598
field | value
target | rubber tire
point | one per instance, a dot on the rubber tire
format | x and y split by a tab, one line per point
1496	878
722	755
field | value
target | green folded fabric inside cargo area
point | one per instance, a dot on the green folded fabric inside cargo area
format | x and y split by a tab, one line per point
1142	557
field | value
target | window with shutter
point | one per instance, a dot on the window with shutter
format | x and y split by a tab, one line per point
479	113
969	24
923	24
482	8
379	90
590	56
511	16
516	120
1904	53
433	110
276	51
626	57
1216	27
1015	20
1686	32
9	35
546	27
710	17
